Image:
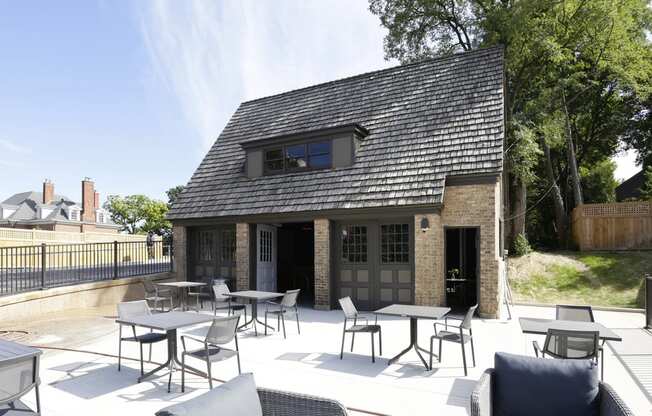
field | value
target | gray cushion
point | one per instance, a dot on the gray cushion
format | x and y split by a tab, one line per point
237	397
537	386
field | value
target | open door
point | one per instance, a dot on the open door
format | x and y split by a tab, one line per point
266	262
462	247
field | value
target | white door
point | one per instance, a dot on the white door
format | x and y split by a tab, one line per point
266	262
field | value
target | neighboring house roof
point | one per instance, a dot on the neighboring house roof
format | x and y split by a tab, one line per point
425	120
631	188
19	198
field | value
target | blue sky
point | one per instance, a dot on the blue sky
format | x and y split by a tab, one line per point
132	94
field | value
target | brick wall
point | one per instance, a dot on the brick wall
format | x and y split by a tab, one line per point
180	243
478	205
322	263
428	249
242	238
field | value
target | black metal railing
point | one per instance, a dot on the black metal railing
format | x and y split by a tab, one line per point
27	268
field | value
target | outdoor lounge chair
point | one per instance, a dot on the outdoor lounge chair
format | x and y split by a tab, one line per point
459	336
156	294
226	302
240	396
128	310
221	332
535	387
351	313
287	305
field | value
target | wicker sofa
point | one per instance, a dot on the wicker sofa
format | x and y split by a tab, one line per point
280	403
546	390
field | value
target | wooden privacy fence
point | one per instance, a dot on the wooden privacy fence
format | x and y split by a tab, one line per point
616	226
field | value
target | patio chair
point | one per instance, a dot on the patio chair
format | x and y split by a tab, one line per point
202	293
536	387
128	310
454	316
458	336
287	305
583	314
221	332
571	345
351	313
226	302
241	396
17	378
156	294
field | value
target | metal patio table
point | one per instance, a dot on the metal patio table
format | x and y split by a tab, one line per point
541	326
20	361
169	322
254	297
415	313
182	289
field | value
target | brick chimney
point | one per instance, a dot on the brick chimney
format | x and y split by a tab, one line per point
48	191
97	200
88	200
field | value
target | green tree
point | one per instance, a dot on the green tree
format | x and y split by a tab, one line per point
599	183
646	189
138	213
173	193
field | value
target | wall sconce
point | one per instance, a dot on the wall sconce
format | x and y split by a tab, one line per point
425	224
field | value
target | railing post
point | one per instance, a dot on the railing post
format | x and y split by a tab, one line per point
43	264
115	259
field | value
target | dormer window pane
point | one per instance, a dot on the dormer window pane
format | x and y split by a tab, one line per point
295	157
274	160
319	155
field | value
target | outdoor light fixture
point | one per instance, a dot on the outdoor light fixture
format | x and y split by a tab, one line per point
425	225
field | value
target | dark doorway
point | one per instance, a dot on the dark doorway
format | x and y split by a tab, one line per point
462	267
296	260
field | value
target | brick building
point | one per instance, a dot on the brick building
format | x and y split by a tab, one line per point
386	187
52	212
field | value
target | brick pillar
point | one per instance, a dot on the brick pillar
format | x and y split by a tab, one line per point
428	261
180	244
242	238
88	200
322	264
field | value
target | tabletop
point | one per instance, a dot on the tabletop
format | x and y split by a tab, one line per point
10	351
167	321
182	284
414	311
541	326
254	295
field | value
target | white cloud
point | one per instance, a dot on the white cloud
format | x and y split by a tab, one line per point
13	147
214	55
626	166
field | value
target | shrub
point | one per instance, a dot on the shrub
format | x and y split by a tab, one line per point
521	246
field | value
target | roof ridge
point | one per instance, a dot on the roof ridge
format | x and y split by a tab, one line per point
379	71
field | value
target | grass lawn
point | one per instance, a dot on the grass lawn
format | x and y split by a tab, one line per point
600	279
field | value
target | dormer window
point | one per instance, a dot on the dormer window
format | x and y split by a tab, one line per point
74	215
100	216
296	157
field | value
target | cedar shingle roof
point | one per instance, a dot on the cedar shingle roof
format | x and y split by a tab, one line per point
426	120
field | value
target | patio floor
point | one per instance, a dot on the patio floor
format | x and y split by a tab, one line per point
79	368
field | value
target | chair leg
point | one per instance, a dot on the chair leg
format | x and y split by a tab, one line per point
602	366
278	323
352	340
119	346
265	322
464	358
183	373
283	322
38	399
170	379
536	352
210	376
296	312
342	350
439	356
238	357
142	371
373	355
380	340
432	341
472	352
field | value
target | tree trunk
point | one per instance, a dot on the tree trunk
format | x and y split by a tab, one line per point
561	219
572	159
519	206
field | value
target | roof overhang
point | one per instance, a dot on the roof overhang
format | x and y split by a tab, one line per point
354	128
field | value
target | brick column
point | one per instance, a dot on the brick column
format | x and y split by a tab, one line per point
322	264
428	261
242	237
180	244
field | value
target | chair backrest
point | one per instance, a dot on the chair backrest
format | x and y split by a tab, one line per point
219	290
468	317
128	310
17	379
350	312
290	298
571	344
575	313
149	286
222	330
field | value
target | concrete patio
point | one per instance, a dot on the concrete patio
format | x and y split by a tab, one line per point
79	367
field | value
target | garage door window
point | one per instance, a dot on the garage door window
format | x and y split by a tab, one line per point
395	243
354	244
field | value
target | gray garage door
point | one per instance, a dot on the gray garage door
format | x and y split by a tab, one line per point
374	262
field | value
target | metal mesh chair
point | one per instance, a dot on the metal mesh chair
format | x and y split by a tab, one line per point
458	336
287	305
226	302
202	293
583	314
573	345
16	380
351	313
127	310
221	332
155	294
